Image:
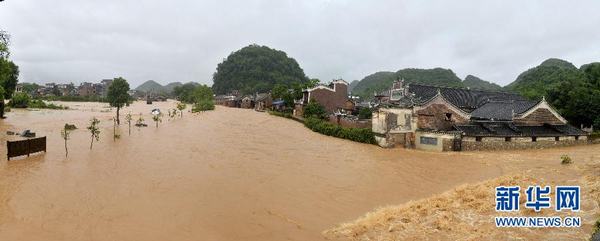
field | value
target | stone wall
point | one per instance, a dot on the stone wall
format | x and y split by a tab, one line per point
520	143
351	123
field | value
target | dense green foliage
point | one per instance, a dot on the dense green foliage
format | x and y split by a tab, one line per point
76	98
9	76
365	113
203	99
256	69
289	93
575	93
23	100
118	95
476	83
314	110
20	100
364	135
383	80
185	92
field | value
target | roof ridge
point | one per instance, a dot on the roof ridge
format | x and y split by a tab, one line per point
465	88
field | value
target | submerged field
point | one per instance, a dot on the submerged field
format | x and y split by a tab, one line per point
235	174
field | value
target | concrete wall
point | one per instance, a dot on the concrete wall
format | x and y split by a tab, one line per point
393	121
444	141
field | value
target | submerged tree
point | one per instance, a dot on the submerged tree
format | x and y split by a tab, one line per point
181	106
140	121
117	95
115	135
157	118
128	119
94	130
66	133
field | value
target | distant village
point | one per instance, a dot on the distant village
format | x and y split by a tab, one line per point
433	117
85	89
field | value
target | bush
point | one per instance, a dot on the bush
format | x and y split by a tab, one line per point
565	159
596	231
595	135
365	113
20	100
203	105
363	135
314	110
281	114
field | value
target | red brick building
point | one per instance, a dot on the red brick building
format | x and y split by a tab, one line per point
333	97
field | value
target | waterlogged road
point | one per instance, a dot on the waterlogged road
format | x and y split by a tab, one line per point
229	174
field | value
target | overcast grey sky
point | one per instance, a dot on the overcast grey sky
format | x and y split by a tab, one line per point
181	40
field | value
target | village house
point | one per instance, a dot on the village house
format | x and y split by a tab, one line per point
445	119
332	97
263	101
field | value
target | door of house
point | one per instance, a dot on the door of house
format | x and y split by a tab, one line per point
457	143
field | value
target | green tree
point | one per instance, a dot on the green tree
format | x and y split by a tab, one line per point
117	95
20	100
256	69
94	130
365	113
314	110
279	91
185	92
203	99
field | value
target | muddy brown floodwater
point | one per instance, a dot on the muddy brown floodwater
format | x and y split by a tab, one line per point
228	174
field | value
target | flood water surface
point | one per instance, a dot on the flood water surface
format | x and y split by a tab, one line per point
228	174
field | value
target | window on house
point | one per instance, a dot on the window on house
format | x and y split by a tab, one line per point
507	139
478	138
428	140
448	116
534	139
557	138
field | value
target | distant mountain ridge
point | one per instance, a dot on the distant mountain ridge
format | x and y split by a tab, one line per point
152	86
474	82
383	80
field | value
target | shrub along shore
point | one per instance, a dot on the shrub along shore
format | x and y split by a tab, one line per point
363	135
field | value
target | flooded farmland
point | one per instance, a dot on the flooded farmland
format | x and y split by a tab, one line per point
228	174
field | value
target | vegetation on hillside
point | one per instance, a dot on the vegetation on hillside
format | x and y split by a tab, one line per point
256	69
383	80
575	93
474	82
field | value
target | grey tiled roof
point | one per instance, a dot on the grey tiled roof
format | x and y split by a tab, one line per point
502	110
465	99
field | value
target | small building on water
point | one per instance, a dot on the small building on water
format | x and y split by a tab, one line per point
455	119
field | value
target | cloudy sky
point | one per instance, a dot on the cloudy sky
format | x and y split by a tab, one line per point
184	40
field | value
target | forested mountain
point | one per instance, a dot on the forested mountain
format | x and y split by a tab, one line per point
575	93
534	82
152	86
256	69
474	82
383	80
352	85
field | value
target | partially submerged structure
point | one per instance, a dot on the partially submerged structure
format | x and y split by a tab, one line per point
332	97
445	119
